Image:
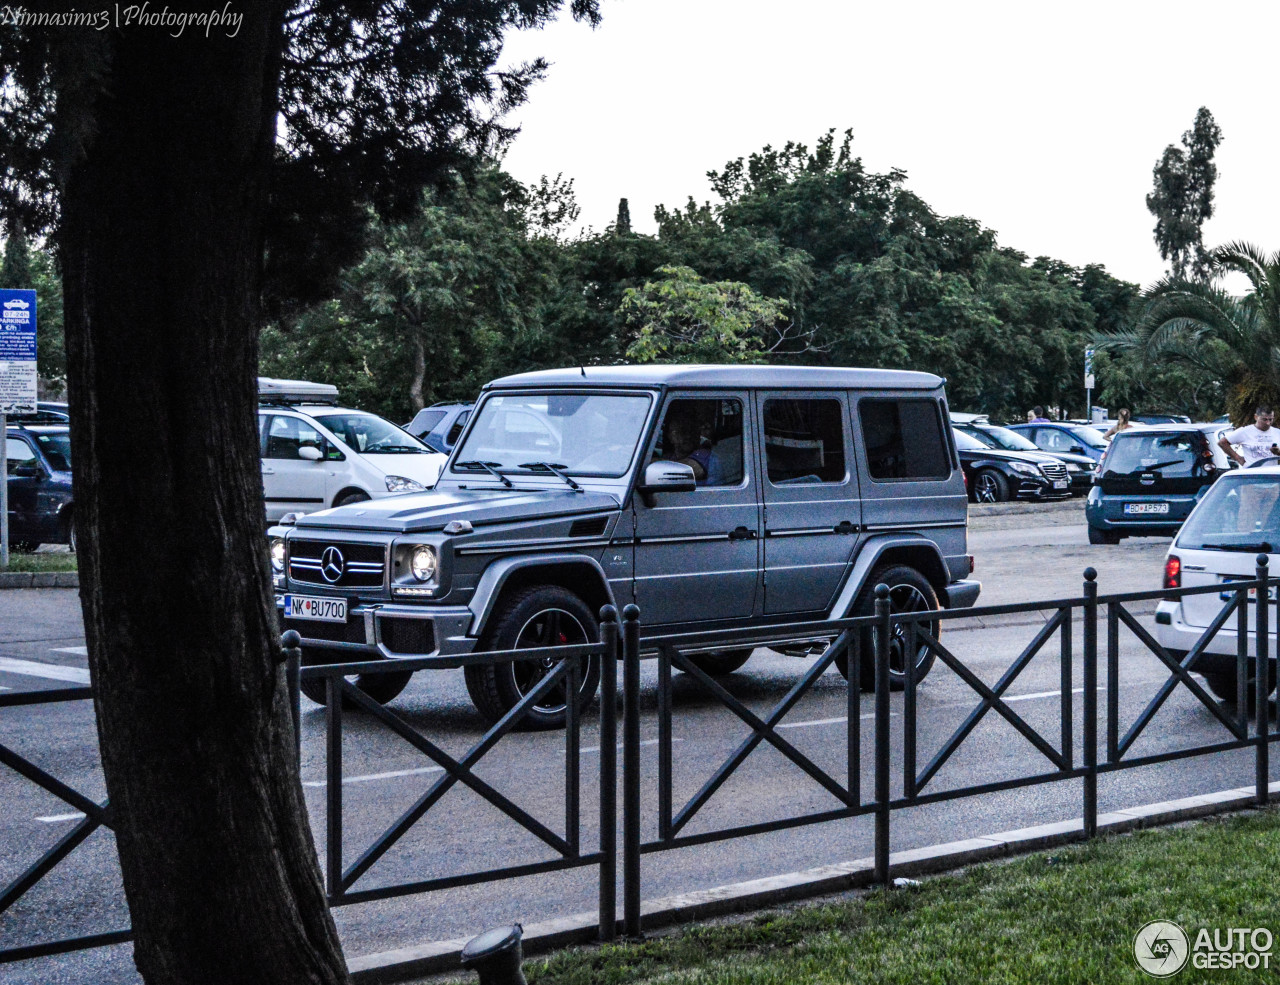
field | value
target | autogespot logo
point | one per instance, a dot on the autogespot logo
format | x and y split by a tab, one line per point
1161	948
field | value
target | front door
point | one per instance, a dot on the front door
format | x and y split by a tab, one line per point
697	554
811	506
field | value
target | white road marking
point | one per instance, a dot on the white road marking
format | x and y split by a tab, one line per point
81	651
830	721
392	774
51	672
55	818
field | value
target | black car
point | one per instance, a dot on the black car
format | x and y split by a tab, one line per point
39	477
1080	468
1151	478
994	475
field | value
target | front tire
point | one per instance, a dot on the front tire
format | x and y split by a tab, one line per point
989	486
538	616
909	591
383	687
355	496
26	546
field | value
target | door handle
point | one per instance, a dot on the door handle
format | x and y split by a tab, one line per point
845	527
741	533
267	471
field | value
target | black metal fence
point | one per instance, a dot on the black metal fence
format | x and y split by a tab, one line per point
851	642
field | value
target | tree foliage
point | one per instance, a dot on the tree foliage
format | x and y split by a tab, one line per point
1181	198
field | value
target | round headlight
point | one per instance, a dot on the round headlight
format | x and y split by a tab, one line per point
277	554
423	563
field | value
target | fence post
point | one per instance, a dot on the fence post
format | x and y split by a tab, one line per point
609	774
1090	710
1242	661
291	641
631	771
1262	689
883	628
333	786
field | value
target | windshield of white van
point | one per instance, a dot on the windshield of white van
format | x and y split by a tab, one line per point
548	433
371	435
1237	514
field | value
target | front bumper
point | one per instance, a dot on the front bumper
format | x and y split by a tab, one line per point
1028	487
390	631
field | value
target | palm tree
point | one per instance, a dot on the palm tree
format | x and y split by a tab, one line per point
1235	340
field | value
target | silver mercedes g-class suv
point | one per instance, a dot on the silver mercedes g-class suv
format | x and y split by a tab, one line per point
710	496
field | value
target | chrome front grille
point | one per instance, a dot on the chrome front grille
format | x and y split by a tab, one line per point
338	564
1054	470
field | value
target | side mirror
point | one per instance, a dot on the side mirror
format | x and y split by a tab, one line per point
310	453
1077	449
666	477
30	471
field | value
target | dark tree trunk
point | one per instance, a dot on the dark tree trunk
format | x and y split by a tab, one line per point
416	399
162	245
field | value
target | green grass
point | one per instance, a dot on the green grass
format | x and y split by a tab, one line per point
1066	916
43	561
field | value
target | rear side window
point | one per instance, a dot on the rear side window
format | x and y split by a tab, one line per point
285	435
904	439
804	441
1180	453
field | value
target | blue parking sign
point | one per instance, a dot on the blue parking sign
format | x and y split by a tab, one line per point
17	350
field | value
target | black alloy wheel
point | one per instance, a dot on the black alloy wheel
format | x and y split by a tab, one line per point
531	618
909	591
989	486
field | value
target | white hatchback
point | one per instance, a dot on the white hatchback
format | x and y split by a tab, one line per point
317	455
1238	519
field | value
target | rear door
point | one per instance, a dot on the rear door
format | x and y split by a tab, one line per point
291	483
812	512
697	554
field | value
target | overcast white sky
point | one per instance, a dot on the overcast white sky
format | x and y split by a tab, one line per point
1042	121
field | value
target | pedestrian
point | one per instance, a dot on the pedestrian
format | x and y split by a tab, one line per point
1255	441
1123	423
1037	416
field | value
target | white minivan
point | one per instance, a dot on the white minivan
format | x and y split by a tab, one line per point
1237	519
316	454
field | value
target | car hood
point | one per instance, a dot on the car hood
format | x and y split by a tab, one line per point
1002	455
420	468
1066	456
413	512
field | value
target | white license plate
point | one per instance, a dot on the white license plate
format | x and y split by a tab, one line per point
316	609
1132	508
1059	483
1227	596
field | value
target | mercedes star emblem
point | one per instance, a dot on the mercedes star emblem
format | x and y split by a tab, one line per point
332	564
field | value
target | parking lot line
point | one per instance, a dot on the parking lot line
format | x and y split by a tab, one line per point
830	721
54	818
52	672
80	651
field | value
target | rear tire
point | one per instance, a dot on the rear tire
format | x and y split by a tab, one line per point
382	687
1097	536
1223	684
909	591
25	546
719	664
541	615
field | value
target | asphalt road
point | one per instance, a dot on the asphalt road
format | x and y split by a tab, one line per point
1021	555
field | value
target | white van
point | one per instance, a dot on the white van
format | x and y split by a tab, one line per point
316	454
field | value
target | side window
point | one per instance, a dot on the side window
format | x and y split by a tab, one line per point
804	441
285	435
706	435
904	439
17	454
455	432
1054	440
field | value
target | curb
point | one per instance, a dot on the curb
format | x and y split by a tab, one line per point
1033	618
39	579
444	956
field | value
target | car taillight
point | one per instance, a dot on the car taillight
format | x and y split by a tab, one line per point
972	564
1173	572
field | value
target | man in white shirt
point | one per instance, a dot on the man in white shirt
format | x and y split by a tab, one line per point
1256	441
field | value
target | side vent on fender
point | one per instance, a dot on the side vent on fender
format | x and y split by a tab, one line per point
592	527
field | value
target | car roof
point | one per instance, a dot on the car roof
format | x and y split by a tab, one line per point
725	376
41	428
1166	428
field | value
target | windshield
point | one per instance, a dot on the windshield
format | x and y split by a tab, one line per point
1091	437
1172	453
371	435
57	449
1004	438
1237	512
967	442
581	434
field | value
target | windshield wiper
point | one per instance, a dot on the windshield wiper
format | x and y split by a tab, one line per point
399	449
490	467
554	469
1262	546
1158	465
